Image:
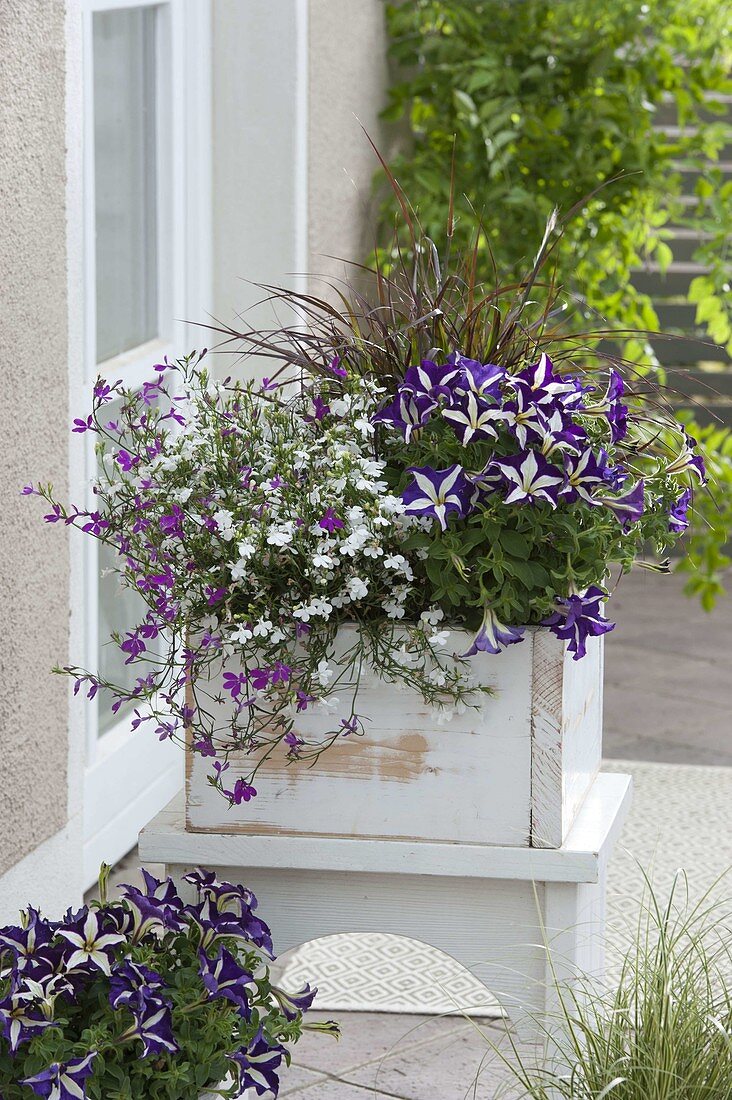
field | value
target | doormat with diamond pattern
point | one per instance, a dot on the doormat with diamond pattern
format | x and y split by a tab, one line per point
680	818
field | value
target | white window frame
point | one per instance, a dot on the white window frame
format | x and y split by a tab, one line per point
130	776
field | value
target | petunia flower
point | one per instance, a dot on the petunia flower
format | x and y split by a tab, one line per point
431	380
407	412
437	493
482	379
473	419
257	1065
678	519
629	507
21	1019
584	472
530	478
524	419
133	986
292	1004
547	387
225	979
579	618
493	636
689	460
93	946
154	1026
63	1081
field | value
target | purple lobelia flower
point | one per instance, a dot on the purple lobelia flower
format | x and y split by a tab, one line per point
133	985
579	618
629	507
407	412
330	521
493	635
224	978
431	379
530	478
63	1081
473	419
678	517
257	1066
93	946
438	492
154	1026
294	1003
584	472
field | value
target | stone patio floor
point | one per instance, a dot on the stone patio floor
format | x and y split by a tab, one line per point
668	698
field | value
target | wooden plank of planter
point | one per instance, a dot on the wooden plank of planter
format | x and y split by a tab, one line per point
514	772
166	840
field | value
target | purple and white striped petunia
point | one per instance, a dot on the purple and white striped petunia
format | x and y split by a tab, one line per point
493	635
689	460
524	419
133	985
585	472
438	493
431	379
546	386
225	979
294	1003
407	412
629	507
482	379
678	517
21	1019
93	946
530	478
579	618
154	1026
473	419
63	1081
257	1066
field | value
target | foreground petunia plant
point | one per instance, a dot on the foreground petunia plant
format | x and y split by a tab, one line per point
436	458
145	997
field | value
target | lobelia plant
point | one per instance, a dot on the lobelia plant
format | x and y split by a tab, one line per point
415	463
146	996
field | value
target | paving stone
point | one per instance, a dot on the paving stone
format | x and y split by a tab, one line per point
368	1037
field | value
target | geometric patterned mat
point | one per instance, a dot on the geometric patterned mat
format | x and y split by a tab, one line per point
681	817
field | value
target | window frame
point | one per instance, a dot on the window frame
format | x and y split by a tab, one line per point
127	779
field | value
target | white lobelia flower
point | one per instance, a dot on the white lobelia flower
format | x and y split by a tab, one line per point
432	616
323	561
357	588
324	673
242	634
246	549
262	628
239	570
282	535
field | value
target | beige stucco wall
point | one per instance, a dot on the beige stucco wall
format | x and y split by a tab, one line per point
34	589
346	92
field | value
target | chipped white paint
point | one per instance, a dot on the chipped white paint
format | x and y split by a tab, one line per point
513	773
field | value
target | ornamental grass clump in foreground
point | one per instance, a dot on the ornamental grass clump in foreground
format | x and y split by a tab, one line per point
435	456
665	1031
145	997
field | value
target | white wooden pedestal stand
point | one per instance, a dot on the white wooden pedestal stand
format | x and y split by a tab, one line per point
519	918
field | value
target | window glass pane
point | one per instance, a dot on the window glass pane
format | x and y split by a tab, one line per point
120	609
125	174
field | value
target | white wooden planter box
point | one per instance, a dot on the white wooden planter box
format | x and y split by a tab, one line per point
514	773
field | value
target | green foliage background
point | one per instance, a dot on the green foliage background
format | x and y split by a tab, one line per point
552	103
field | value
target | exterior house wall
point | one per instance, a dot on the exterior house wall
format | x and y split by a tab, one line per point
291	183
34	579
347	80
